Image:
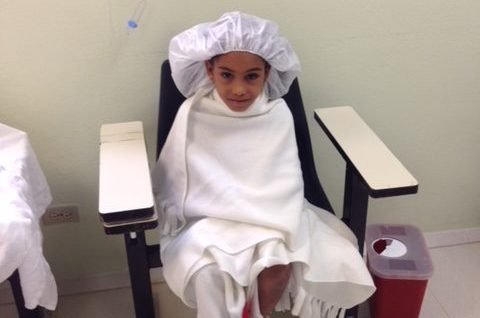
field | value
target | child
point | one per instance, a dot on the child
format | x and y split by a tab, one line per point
238	239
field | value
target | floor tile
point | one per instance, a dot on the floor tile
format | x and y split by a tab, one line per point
8	311
431	308
168	305
116	303
456	283
452	292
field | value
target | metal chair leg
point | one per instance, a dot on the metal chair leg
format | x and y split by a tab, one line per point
138	264
355	208
23	312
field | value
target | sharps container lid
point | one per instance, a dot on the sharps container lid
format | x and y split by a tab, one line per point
397	252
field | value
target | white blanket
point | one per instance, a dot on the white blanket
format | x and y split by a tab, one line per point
230	191
24	196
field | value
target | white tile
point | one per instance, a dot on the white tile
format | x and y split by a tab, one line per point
455	283
474	235
431	308
115	303
8	311
168	305
6	296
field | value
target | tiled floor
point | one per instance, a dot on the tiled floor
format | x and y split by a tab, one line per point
452	292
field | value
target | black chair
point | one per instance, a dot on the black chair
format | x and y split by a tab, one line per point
358	187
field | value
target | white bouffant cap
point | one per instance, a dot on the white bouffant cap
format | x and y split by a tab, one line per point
234	31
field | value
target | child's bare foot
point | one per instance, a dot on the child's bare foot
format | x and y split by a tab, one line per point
271	284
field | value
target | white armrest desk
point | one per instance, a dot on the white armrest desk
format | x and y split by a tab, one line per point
372	169
125	193
126	204
381	171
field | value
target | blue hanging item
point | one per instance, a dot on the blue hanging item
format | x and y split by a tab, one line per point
137	14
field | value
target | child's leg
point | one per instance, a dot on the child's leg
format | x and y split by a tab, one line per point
216	294
272	282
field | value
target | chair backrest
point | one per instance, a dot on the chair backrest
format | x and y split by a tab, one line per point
171	99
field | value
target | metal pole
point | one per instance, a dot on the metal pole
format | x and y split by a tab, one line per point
139	268
355	206
23	312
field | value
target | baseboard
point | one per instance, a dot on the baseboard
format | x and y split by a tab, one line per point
452	237
122	279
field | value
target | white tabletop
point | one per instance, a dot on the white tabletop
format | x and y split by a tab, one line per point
377	165
124	173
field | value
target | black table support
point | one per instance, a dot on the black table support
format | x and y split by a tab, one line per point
355	208
353	139
23	312
141	257
355	205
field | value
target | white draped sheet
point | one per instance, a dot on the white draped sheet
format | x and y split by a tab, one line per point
24	196
229	190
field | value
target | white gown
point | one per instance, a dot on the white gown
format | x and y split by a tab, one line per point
229	190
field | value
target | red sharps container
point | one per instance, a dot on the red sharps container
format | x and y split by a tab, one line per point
400	265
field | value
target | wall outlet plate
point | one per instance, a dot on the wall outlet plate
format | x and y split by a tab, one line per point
57	214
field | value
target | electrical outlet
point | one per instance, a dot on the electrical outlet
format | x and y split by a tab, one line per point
61	214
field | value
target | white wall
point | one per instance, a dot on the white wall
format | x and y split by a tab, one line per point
410	68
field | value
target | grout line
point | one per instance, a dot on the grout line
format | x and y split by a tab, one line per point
432	294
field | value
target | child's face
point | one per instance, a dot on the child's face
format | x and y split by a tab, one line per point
239	78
